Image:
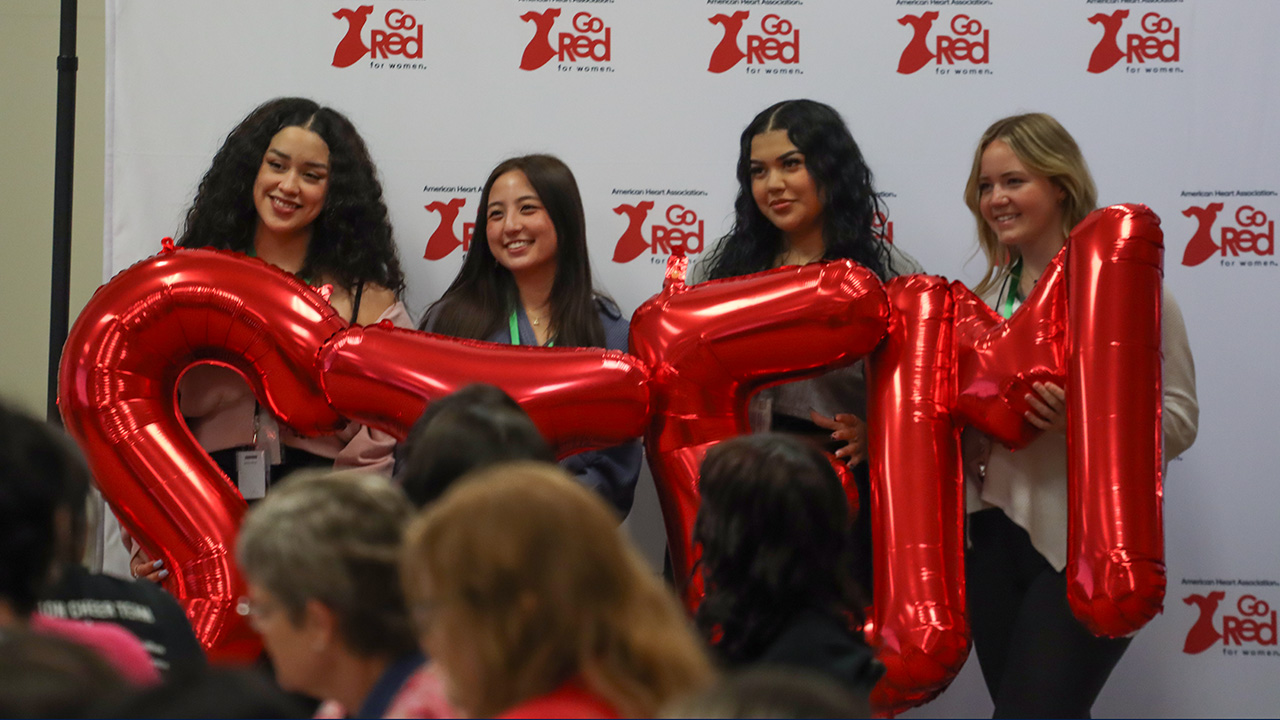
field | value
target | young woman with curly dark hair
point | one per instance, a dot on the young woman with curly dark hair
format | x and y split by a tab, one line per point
292	184
805	194
775	533
526	280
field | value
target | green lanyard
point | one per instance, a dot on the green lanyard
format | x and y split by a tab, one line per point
1015	279
515	332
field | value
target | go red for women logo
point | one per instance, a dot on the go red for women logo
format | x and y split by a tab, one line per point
778	42
1248	231
677	227
400	35
589	40
1158	40
446	237
963	40
1253	623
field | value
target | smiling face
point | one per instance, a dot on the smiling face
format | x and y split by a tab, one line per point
782	187
521	235
1022	208
292	182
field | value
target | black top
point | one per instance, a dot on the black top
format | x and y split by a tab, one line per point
141	607
817	641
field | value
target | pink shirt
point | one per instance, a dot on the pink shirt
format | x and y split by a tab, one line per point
115	644
219	406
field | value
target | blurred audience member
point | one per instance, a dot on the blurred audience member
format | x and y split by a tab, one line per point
213	693
774	528
534	604
41	478
320	557
142	608
772	692
43	676
474	427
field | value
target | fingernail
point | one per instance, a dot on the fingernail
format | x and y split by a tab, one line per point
163	574
833	436
158	563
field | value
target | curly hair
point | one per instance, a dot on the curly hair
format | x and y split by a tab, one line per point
482	296
844	183
1045	148
774	528
351	239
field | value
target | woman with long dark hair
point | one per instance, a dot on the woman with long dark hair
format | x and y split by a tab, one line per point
805	194
1028	187
526	280
775	532
294	185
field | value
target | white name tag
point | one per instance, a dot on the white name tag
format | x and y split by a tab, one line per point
251	473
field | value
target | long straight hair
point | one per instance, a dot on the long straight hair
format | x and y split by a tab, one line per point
1045	148
483	295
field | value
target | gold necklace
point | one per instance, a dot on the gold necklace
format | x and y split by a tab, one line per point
534	319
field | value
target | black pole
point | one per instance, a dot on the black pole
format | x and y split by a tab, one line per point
63	166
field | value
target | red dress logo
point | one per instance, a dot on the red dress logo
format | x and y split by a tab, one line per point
917	54
539	50
351	48
1108	51
727	54
445	240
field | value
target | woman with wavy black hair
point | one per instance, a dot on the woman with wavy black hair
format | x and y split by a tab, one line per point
526	280
292	184
811	199
805	194
774	528
343	238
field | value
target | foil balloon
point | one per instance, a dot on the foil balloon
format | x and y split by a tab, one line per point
709	347
1115	535
117	395
999	361
385	376
918	620
143	330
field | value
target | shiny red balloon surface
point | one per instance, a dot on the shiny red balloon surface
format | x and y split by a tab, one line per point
141	331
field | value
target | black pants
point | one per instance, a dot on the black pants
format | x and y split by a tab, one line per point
1036	658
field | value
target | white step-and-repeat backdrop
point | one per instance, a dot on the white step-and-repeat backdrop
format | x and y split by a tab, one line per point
1173	101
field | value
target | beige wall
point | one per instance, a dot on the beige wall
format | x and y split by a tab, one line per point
28	104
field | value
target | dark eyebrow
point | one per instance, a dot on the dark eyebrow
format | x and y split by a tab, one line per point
286	156
522	198
783	156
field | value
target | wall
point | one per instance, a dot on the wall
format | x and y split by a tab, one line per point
28	56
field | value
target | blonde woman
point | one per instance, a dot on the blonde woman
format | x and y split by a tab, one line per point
1028	188
533	604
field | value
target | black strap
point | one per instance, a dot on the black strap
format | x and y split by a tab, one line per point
355	305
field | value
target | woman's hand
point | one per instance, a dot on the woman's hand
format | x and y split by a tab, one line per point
1048	407
849	428
142	567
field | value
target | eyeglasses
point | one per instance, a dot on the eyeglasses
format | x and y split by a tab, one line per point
254	612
